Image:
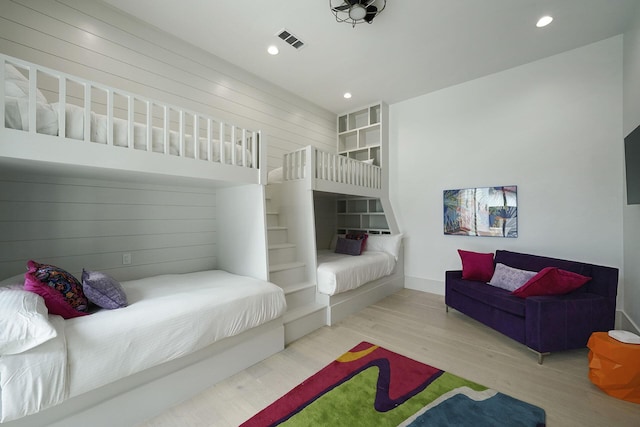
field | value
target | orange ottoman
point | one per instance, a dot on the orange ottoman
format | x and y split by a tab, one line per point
614	366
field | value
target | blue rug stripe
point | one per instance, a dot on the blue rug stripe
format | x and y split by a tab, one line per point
497	411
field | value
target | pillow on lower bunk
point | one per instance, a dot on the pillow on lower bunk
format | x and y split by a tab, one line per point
348	246
61	291
389	243
103	290
14	282
362	237
25	325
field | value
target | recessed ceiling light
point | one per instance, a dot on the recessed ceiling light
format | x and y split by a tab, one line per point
347	95
273	50
544	21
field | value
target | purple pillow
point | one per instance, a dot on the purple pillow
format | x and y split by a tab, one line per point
348	246
362	237
61	291
103	290
510	278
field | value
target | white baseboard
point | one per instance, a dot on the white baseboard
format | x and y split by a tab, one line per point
424	285
624	322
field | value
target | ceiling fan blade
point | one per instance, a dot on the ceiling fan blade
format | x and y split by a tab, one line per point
342	8
371	13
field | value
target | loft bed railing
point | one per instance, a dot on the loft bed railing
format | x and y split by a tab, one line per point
115	118
332	172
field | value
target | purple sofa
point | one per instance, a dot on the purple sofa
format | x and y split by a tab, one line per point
543	323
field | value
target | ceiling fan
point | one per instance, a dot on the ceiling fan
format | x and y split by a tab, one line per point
356	11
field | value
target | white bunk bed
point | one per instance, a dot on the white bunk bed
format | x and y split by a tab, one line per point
332	173
127	134
85	129
310	169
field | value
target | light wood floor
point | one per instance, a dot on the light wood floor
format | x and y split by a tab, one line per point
416	325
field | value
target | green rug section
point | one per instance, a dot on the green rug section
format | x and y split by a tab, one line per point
352	403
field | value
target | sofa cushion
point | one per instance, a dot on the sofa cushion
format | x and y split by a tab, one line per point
476	266
509	278
551	281
489	295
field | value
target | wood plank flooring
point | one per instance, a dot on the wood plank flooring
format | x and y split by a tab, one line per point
416	325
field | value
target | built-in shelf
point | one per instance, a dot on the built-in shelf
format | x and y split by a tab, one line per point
360	134
361	215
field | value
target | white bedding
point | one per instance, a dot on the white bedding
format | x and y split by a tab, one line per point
340	273
168	317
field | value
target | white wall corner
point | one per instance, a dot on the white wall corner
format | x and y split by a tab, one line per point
424	285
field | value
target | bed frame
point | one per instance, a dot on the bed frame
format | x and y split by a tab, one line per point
146	394
332	173
343	304
20	148
152	391
310	169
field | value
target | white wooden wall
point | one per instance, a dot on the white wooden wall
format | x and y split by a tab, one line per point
78	223
90	223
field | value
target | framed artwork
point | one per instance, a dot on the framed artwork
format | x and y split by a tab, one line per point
483	211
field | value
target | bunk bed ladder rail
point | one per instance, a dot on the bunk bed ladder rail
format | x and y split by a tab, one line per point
298	165
238	138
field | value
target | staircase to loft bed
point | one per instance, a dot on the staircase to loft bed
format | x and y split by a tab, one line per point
291	226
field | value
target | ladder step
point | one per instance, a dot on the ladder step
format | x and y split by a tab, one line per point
302	311
286	266
282	246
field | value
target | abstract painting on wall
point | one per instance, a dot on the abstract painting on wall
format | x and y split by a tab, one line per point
484	211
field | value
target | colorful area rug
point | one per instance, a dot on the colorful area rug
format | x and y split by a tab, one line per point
371	386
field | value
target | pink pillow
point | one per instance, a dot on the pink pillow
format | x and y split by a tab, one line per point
61	291
476	266
551	281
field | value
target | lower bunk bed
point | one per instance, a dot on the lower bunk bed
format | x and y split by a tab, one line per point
178	335
348	283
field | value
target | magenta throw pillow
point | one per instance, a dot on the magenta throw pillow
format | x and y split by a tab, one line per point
476	266
61	291
551	281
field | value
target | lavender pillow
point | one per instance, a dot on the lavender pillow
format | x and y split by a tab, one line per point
103	290
348	246
510	278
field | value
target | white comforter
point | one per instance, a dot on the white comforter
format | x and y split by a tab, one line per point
168	317
340	273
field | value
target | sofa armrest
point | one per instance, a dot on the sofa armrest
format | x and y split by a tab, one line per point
452	274
554	323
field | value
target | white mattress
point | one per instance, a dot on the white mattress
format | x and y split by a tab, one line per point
340	273
168	317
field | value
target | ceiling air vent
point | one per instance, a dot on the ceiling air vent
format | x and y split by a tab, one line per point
291	39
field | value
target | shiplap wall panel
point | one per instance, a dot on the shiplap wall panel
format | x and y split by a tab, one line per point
78	224
95	41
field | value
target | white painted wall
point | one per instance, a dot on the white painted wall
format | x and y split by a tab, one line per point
632	212
551	127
